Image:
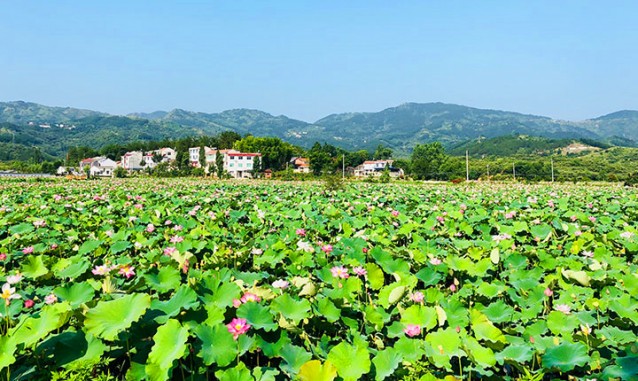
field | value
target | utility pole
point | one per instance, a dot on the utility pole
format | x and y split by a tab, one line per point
514	170
488	171
552	161
467	165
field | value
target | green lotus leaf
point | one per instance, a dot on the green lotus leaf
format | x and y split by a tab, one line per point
579	276
419	315
107	319
314	370
184	299
385	363
169	345
72	349
35	329
294	358
375	276
391	294
479	354
238	373
21	229
34	267
265	374
164	280
89	247
429	276
78	267
257	316
217	345
484	329
442	346
292	309
119	246
566	356
328	310
351	361
519	354
76	293
562	324
7	351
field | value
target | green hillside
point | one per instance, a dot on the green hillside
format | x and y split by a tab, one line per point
399	128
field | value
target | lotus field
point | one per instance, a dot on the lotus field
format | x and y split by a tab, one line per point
196	279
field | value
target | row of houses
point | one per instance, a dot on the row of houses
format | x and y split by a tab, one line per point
239	165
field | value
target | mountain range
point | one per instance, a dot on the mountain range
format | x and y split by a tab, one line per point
55	129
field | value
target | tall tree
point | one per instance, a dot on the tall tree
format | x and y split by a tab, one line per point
382	153
219	164
427	160
202	156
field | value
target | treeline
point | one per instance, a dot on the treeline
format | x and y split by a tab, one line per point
427	161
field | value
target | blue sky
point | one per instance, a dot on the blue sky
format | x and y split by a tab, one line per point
307	59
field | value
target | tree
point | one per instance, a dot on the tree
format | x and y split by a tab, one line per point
319	159
257	165
202	156
219	164
427	160
382	153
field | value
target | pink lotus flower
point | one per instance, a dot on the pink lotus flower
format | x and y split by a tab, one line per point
340	272
359	271
510	215
236	303
573	218
13	279
564	308
587	254
178	228
395	213
168	222
326	249
127	271
626	235
39	223
592	218
281	284
453	287
301	232
238	327
101	270
8	293
550	203
3	256
364	250
548	292
138	206
578	233
28	250
412	330
440	219
54	246
176	239
435	261
250	297
169	251
150	228
29	303
50	299
417	297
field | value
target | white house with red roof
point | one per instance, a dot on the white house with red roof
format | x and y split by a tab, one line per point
239	165
98	166
376	168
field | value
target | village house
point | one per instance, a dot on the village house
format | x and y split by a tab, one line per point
133	161
375	168
300	164
98	166
237	164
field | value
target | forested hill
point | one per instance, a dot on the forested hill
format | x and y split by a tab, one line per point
55	129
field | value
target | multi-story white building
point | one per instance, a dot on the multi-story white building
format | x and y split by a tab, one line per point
132	161
237	164
376	168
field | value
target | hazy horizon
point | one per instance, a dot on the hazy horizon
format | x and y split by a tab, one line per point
571	60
